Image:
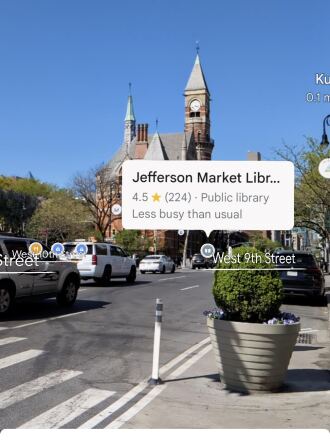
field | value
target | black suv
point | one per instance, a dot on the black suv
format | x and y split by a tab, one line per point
302	277
198	262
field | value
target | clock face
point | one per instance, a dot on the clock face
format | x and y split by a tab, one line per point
195	105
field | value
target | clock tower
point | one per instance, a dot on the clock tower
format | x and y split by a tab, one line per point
197	111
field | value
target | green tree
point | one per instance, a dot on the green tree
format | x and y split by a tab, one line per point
312	191
27	186
15	210
61	217
263	244
132	241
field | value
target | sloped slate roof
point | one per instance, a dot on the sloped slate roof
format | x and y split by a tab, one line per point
171	145
156	149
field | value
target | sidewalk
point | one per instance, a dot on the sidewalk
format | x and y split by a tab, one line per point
195	399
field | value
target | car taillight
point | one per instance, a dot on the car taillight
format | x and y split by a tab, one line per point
94	260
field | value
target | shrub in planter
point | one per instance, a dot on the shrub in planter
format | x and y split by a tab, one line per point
251	339
248	295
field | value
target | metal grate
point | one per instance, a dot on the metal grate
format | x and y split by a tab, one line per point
307	338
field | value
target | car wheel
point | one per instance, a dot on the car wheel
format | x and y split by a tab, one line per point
193	267
143	271
163	269
173	269
106	277
6	300
68	294
132	275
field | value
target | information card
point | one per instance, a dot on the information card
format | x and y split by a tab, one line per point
208	195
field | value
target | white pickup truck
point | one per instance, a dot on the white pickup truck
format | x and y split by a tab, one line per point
102	262
25	277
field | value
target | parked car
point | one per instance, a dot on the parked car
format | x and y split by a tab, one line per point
198	262
102	262
308	281
24	277
157	263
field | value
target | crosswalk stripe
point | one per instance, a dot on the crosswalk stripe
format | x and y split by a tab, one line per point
28	389
10	340
98	418
19	357
126	398
135	409
67	411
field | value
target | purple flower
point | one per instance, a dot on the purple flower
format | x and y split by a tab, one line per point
284	318
215	314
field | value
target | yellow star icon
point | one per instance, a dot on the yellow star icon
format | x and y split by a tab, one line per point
155	197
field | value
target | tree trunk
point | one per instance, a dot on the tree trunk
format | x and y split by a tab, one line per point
185	249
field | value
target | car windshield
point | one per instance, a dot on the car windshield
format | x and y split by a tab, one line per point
300	260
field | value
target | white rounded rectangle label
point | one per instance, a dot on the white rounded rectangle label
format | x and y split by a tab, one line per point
208	195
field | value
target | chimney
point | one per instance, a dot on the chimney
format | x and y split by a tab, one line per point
142	141
253	155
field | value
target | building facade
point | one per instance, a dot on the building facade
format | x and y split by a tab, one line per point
193	143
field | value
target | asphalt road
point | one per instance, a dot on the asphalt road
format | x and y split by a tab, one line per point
76	368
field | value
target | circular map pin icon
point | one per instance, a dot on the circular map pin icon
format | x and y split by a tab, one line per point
35	248
116	209
207	250
324	168
81	249
57	248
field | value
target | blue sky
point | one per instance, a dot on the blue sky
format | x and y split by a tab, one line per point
65	66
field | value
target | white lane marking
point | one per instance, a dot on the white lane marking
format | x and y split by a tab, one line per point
28	389
98	418
67	411
308	331
190	287
10	340
135	409
107	412
43	320
3	328
81	290
20	357
172	278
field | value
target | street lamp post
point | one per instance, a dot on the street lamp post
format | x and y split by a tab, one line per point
324	144
326	122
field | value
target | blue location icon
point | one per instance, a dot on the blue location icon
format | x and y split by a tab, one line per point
81	249
57	249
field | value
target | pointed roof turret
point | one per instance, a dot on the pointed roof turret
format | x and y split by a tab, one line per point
156	149
130	110
196	80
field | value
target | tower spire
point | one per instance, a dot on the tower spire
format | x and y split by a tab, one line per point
130	126
197	80
197	111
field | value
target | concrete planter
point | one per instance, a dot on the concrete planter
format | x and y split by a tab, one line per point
252	357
